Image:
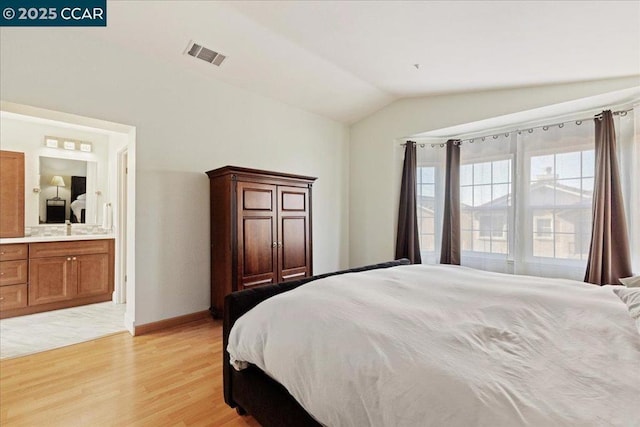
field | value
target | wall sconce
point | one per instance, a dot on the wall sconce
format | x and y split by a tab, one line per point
68	144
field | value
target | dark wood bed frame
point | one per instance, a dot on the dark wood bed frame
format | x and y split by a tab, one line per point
251	391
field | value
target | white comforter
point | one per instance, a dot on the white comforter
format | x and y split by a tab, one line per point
448	346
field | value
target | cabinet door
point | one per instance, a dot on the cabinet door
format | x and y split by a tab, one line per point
92	272
256	226
51	279
294	246
11	194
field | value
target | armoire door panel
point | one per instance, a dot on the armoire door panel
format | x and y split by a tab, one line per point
257	199
257	245
293	200
294	242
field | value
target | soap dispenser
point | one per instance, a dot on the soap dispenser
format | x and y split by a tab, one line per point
68	223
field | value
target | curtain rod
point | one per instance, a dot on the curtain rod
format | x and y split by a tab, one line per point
506	133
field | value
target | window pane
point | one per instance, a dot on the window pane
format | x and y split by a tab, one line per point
566	246
568	192
568	165
484	222
466	174
466	219
542	168
502	171
427	174
482	173
587	189
466	196
500	193
466	240
427	243
481	195
588	163
542	193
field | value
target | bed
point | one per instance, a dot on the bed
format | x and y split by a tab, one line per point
78	199
404	345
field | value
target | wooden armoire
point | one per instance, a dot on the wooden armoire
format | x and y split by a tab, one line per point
260	230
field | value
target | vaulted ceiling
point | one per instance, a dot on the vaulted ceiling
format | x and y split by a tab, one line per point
347	59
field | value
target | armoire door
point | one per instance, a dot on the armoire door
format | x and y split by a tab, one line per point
257	225
294	246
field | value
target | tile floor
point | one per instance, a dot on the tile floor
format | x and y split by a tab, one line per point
33	333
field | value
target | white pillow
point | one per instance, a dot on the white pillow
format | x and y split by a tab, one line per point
631	282
631	297
82	196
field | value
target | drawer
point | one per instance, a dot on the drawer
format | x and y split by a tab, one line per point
75	247
13	252
13	272
14	296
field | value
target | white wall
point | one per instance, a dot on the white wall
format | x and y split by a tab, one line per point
375	166
185	125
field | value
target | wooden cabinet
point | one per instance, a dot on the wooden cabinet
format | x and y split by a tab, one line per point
11	194
13	276
260	229
53	275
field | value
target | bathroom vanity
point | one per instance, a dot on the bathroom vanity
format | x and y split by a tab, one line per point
50	272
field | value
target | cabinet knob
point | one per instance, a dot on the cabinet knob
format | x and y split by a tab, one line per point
279	244
2	274
1	298
69	259
2	253
74	258
274	244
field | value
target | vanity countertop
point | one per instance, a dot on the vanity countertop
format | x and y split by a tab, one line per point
35	239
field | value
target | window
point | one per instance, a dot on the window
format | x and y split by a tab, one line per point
426	207
544	228
560	195
526	198
485	205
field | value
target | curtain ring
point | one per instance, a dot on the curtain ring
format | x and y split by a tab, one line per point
495	136
483	138
561	125
433	145
578	122
506	134
471	141
441	145
545	127
530	130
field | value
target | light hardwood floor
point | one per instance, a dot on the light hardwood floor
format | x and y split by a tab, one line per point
166	378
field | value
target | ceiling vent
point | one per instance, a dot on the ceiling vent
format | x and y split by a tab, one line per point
201	52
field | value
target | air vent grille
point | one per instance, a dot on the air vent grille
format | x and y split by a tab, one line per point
201	52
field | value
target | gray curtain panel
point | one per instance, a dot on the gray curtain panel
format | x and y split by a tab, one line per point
450	249
609	255
407	239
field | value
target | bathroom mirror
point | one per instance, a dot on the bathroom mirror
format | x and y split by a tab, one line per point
67	191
